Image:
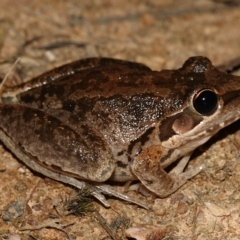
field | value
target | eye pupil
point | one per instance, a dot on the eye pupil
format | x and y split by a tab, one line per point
205	102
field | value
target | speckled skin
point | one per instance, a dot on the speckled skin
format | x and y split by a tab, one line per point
99	119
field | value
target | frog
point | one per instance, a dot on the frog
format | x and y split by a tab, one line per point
100	120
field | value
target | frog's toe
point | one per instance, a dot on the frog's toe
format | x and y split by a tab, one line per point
182	178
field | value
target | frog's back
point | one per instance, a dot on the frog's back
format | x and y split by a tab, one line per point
126	101
121	100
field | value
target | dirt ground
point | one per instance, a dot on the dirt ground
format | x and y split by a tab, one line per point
160	34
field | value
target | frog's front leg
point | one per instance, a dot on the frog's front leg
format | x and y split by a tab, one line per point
146	166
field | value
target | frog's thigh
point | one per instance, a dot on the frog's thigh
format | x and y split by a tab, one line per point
55	145
148	170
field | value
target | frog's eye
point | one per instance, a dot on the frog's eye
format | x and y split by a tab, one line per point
205	102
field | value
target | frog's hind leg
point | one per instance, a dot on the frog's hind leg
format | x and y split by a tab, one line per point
50	147
149	171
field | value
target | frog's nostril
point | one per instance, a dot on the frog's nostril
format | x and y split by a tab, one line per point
205	102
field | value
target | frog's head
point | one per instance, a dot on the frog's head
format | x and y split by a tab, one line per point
212	101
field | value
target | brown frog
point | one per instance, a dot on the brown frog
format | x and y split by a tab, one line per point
103	119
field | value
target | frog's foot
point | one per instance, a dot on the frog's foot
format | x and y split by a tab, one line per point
148	170
98	190
106	189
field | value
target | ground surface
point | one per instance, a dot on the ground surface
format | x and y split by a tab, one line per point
161	34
